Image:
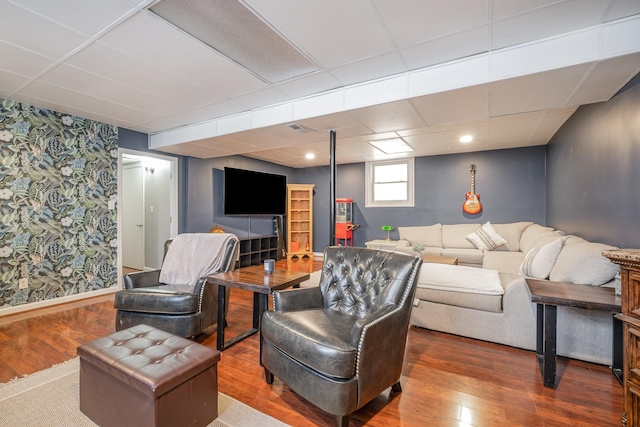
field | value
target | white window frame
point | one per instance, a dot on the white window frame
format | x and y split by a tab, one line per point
369	184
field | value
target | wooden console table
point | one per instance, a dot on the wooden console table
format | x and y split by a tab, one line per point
256	280
629	261
548	296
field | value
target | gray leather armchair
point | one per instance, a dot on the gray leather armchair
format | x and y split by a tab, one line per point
183	310
342	343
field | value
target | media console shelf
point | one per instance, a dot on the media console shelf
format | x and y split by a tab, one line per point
254	250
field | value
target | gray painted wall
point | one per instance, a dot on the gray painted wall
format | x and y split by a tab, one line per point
511	184
594	171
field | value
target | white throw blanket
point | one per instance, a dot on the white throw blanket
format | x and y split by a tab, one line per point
193	255
460	278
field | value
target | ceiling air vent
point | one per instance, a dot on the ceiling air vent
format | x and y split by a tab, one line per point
298	128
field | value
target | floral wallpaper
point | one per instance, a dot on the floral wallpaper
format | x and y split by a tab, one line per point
58	188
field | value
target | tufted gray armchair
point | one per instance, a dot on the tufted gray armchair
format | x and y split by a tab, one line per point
342	343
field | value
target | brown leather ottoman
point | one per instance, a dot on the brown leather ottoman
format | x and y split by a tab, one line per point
142	376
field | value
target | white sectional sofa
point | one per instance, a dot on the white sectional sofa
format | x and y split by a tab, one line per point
505	314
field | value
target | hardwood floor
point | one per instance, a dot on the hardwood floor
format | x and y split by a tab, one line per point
447	380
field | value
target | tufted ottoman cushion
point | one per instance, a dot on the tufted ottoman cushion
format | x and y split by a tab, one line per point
142	376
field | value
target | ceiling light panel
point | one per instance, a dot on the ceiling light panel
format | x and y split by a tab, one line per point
236	32
391	146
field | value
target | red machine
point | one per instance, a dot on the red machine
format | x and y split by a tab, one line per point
344	221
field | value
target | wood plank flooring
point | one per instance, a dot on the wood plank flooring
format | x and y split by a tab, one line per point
447	380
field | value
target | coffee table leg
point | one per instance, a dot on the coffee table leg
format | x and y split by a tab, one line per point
222	296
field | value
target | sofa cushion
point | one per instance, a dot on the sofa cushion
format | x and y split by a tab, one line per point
539	261
504	262
536	235
492	303
428	235
512	233
465	256
455	235
485	238
582	262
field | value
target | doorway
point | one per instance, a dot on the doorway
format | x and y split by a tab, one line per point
147	208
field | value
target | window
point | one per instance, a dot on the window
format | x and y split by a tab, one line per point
389	183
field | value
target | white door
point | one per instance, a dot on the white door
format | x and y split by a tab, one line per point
133	217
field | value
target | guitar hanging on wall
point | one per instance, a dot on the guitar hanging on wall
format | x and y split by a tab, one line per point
472	205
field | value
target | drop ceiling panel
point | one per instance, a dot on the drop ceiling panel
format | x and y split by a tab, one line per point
152	40
414	21
370	68
59	41
389	117
333	32
540	91
557	18
454	106
606	79
22	61
91	85
447	48
505	8
622	8
88	17
519	132
85	105
549	125
309	85
430	142
11	82
110	63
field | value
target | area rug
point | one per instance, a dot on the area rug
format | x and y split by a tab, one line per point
52	398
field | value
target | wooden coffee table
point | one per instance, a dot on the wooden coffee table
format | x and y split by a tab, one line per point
439	259
548	296
256	280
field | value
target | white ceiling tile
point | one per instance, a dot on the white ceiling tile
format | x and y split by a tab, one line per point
454	106
309	85
58	42
97	87
22	61
151	39
557	18
505	8
447	48
622	8
11	82
389	117
88	17
414	21
318	30
105	61
540	91
427	142
606	79
370	68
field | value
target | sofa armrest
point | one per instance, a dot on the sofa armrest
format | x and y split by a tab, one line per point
141	279
403	243
297	299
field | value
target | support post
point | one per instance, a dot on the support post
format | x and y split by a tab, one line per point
332	187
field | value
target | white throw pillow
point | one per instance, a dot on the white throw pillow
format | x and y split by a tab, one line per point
486	238
539	261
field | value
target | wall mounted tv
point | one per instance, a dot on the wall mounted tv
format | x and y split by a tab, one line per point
249	193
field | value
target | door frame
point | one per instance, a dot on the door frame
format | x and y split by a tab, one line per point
173	197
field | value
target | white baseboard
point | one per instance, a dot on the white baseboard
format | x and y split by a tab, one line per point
5	311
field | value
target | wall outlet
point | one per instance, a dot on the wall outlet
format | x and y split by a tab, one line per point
23	283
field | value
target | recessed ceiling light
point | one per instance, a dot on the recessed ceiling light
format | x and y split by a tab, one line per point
310	156
391	146
466	138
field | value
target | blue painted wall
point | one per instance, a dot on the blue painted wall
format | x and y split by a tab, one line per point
593	179
511	184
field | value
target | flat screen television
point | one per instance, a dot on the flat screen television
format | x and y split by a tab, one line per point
249	193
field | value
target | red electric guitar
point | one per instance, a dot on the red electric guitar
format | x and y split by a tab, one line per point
472	205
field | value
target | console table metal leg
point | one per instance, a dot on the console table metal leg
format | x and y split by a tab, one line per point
546	343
